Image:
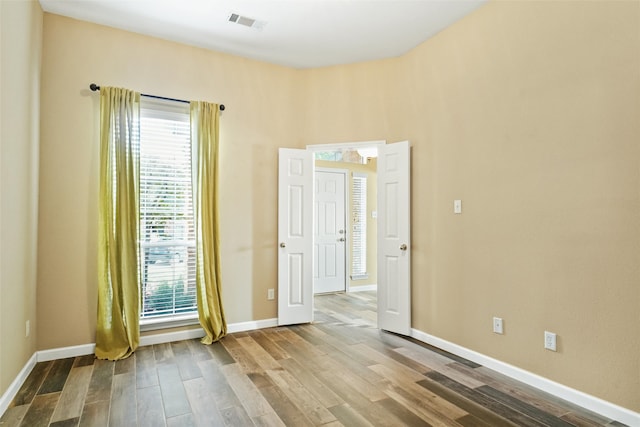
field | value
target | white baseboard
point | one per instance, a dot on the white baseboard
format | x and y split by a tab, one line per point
592	403
252	326
64	352
363	288
14	387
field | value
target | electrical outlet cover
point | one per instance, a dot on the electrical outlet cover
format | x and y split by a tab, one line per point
549	340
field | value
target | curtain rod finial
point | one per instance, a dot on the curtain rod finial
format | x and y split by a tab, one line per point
94	87
221	107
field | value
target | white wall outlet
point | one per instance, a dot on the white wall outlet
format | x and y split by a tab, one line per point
497	325
549	340
27	329
271	294
457	206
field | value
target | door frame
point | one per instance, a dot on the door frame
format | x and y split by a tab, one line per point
347	253
342	145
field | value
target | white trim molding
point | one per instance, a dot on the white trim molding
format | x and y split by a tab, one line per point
14	387
363	288
592	403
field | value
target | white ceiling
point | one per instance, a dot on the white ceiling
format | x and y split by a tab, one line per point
296	33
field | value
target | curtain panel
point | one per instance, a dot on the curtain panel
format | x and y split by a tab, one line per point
117	330
204	143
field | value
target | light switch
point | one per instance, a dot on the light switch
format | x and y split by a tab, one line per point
457	206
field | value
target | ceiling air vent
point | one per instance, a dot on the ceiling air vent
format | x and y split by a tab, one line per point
247	22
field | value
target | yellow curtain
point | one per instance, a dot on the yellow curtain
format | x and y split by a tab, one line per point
117	331
204	142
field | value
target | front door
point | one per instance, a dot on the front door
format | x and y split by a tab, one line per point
295	236
330	232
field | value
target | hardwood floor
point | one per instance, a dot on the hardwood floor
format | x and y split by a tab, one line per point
338	371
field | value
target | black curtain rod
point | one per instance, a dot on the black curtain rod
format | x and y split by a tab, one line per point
94	87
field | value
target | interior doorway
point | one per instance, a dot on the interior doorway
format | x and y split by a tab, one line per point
393	243
358	262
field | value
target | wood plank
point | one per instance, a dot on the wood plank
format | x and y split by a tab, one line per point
13	415
220	353
250	397
163	353
204	413
301	397
407	417
184	420
523	407
95	414
263	338
429	407
71	422
198	350
381	359
85	360
150	410
31	385
440	363
349	417
476	410
125	366
41	409
286	410
240	355
481	399
73	394
174	397
101	380
146	375
123	400
258	353
317	388
56	376
235	416
222	394
186	364
268	420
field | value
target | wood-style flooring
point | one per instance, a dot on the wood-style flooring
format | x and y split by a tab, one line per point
338	371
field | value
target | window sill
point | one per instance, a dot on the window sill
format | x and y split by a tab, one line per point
152	324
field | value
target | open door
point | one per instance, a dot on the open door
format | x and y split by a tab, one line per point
394	245
295	236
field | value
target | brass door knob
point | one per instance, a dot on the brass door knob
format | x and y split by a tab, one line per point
403	247
282	245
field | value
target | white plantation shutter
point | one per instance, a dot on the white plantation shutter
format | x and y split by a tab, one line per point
359	228
167	241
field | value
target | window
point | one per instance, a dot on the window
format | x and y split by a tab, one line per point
167	240
359	229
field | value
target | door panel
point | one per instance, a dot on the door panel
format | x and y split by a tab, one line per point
394	257
295	236
330	232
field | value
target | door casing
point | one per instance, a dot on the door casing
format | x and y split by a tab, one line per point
403	329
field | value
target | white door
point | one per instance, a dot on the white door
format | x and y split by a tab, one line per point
295	236
330	232
394	245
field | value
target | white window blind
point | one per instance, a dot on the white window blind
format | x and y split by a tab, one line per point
359	229
167	241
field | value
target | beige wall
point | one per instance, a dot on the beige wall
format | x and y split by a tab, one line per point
527	111
260	117
20	51
372	224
